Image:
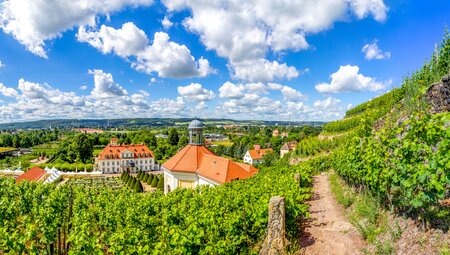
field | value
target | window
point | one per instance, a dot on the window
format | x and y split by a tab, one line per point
186	184
103	163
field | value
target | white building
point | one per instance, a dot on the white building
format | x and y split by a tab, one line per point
116	158
256	156
197	165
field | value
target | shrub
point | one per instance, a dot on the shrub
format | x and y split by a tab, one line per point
155	181
145	179
150	179
160	185
138	187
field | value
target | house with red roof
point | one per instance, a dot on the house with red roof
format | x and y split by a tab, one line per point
256	156
118	158
287	147
196	165
33	174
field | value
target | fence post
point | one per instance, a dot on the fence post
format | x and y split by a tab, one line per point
297	179
275	242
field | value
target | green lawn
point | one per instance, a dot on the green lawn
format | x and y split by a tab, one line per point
224	143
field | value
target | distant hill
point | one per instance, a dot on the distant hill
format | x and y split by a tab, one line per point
136	123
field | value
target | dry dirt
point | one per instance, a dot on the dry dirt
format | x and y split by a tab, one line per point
327	231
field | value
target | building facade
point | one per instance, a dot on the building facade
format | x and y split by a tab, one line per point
196	165
287	147
256	156
116	158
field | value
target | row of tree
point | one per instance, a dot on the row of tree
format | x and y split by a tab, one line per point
28	138
132	182
156	181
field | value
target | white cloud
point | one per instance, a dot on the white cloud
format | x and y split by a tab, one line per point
349	106
107	100
252	29
376	8
195	92
32	23
126	41
163	56
104	85
201	106
166	23
348	78
290	94
262	70
231	90
1	64
237	91
83	87
371	51
328	103
8	92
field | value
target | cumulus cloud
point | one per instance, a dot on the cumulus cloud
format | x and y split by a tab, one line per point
371	51
32	23
166	23
348	78
8	92
328	103
231	90
376	8
104	85
262	70
237	91
83	87
163	56
31	101
252	29
195	92
126	41
1	64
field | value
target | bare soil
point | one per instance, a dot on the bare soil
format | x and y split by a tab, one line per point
327	231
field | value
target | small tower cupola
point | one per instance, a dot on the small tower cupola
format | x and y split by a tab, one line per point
195	132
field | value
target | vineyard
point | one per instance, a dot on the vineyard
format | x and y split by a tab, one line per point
228	219
405	159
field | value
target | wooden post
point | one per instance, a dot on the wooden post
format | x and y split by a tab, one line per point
297	179
275	242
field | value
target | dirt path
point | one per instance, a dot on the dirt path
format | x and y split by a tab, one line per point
328	231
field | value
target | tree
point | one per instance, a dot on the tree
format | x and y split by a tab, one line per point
150	179
173	138
25	164
83	148
138	187
145	179
184	140
160	185
150	140
270	158
16	141
155	181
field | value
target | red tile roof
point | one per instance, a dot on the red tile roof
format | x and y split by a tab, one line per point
34	174
259	154
114	151
198	159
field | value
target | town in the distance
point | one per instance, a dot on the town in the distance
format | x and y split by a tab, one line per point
162	158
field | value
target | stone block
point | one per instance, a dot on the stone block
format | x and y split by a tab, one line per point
275	242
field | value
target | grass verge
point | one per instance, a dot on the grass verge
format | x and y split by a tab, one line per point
369	218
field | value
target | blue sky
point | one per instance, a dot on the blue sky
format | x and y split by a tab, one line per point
269	59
